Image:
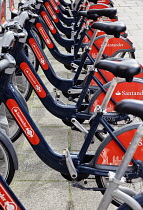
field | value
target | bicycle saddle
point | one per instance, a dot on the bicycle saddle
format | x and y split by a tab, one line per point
88	16
110	28
94	1
125	68
107	12
130	106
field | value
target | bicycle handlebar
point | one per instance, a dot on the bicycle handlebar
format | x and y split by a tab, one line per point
4	64
18	27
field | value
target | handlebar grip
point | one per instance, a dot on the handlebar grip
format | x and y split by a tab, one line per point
18	27
4	64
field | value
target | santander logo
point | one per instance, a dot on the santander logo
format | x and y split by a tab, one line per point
139	93
115	45
54	6
51	12
118	93
29	132
38	53
38	88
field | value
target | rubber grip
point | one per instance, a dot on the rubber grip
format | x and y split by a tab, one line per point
18	27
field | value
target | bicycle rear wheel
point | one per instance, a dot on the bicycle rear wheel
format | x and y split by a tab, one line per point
109	156
126	55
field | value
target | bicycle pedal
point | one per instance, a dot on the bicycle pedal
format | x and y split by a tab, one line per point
73	70
79	126
69	164
81	186
74	128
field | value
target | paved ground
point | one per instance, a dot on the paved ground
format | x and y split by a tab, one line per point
39	187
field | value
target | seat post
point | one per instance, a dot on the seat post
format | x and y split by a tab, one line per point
110	92
102	48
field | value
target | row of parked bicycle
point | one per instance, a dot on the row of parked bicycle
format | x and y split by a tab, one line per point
96	47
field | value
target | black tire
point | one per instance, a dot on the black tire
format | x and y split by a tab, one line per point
15	131
138	198
25	90
29	53
36	34
8	170
19	79
101	184
100	132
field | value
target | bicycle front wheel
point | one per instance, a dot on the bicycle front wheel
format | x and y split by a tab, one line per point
136	185
19	79
7	123
109	156
7	169
138	198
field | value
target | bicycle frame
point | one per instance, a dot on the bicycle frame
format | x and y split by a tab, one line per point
40	146
47	16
